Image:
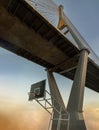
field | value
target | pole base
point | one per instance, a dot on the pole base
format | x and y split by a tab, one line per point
76	121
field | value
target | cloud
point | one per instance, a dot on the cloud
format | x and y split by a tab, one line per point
23	118
92	118
30	116
97	110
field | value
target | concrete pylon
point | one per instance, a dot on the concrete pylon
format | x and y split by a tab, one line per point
57	124
75	103
64	21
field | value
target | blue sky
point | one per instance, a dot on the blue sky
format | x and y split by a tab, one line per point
17	74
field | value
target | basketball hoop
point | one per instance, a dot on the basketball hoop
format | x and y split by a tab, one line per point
37	90
31	95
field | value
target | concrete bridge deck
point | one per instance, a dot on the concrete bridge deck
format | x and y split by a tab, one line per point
25	32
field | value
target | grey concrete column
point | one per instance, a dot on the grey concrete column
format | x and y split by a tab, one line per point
75	103
54	89
76	97
56	94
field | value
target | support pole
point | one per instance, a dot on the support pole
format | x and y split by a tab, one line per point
75	103
59	104
54	89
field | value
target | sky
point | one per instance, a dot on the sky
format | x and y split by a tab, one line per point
17	74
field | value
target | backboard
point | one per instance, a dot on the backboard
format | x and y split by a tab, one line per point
37	90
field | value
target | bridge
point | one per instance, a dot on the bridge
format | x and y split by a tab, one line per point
27	32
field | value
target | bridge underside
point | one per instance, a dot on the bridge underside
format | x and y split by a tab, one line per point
26	33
